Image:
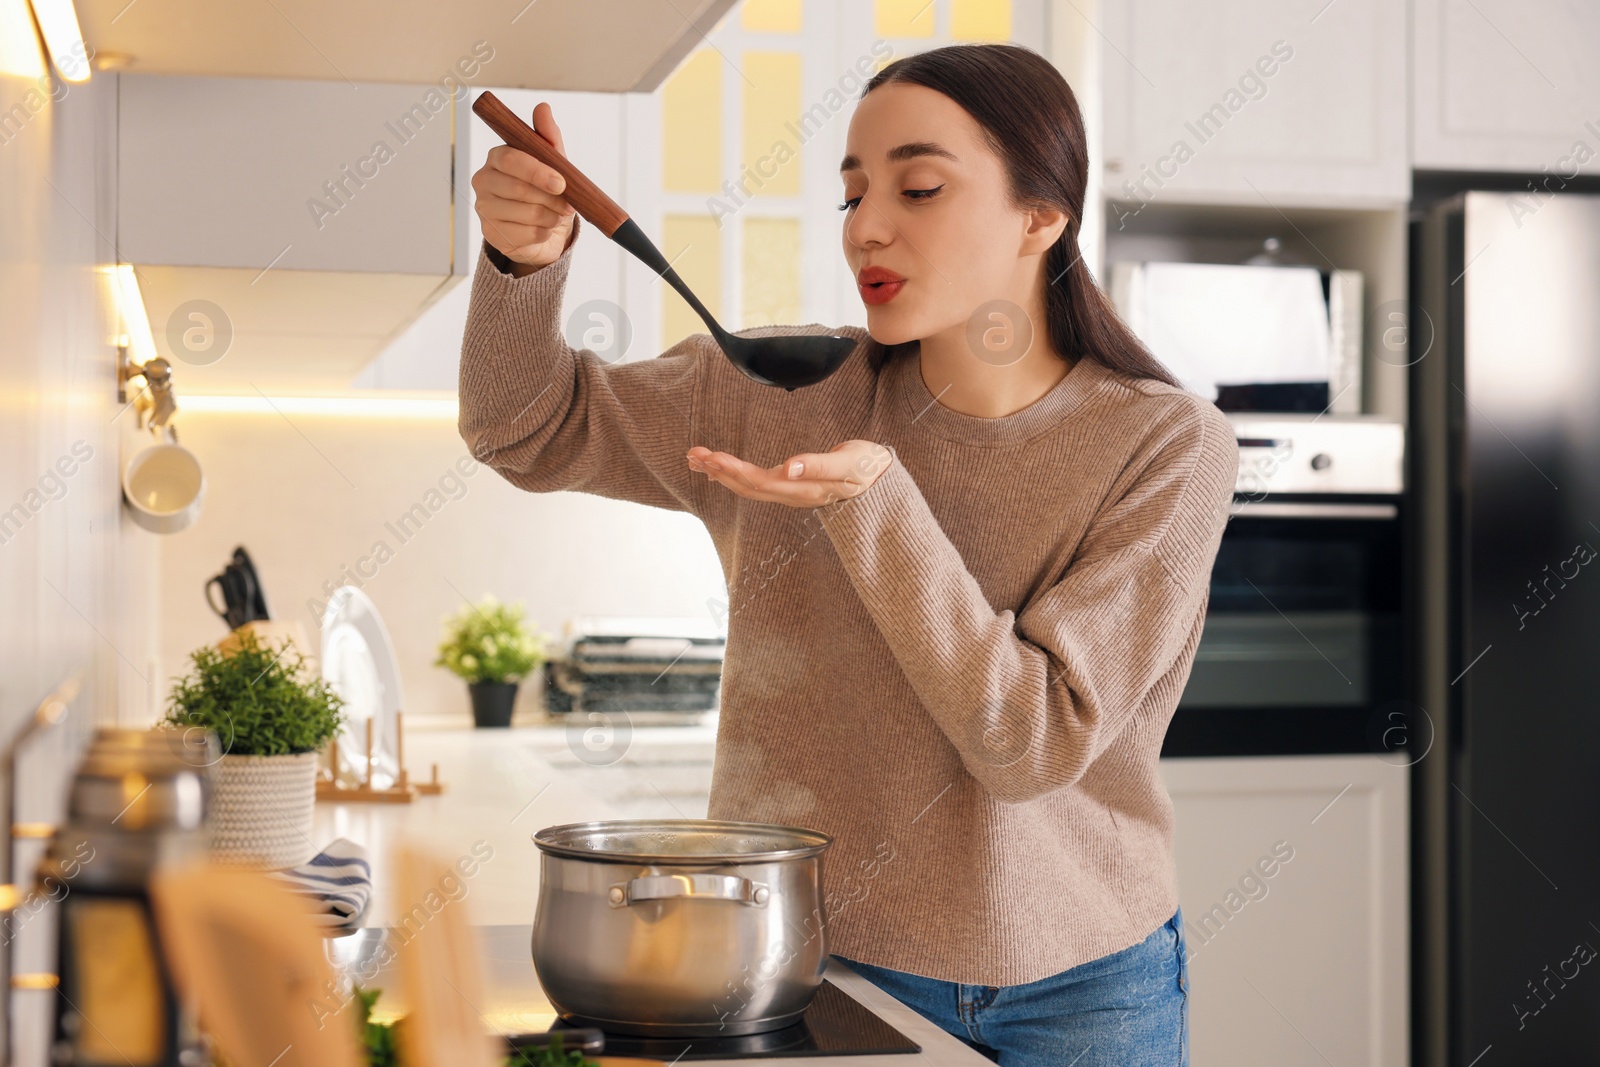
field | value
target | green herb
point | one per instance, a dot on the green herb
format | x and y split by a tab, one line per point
552	1055
380	1042
489	642
259	702
377	1039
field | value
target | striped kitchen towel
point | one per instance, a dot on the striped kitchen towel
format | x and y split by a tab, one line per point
339	878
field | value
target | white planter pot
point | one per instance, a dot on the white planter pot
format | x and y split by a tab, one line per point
261	810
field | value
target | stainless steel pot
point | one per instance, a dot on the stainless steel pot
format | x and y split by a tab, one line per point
680	927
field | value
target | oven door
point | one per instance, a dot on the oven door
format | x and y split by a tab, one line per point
1302	647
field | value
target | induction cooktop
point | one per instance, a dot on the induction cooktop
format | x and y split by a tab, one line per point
834	1024
513	1003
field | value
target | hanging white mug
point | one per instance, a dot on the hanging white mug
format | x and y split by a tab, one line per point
163	486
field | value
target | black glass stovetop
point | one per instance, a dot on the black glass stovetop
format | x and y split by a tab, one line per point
512	1002
834	1024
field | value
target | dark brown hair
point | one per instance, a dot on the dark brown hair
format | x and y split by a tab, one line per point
1030	118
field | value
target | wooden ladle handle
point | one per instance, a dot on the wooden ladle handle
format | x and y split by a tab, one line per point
584	195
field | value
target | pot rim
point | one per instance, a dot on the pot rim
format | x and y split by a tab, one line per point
547	842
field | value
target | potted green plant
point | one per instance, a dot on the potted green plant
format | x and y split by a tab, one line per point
270	717
491	645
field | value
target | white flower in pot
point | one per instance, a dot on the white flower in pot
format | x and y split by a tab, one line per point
490	645
270	717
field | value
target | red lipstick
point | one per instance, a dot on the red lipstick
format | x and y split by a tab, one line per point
879	285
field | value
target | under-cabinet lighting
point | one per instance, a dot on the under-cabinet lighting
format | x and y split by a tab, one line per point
63	38
19	44
135	333
371	407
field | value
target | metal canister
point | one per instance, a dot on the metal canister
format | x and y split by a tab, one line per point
138	801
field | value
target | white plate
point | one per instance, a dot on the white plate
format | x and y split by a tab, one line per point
358	661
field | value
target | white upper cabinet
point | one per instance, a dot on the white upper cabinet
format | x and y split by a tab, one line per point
1263	102
1506	85
298	225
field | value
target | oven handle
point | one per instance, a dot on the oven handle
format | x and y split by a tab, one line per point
1267	509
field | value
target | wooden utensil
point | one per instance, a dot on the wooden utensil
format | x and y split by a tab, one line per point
790	360
245	951
441	972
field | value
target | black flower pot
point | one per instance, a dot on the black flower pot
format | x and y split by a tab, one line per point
492	702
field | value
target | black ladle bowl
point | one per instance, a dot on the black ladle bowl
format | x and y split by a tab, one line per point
789	361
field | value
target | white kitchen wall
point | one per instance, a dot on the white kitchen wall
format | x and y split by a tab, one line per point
316	497
76	579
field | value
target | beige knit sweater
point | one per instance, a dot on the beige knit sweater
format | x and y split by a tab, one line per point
964	673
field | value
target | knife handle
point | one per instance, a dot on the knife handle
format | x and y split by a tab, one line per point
584	195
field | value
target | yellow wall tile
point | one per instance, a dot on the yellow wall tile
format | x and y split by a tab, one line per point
691	125
771	150
771	16
771	272
693	245
904	18
980	20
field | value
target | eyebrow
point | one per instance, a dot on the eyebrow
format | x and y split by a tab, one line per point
900	153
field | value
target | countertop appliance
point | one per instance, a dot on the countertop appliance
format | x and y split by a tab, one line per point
1301	651
1293	732
1251	337
660	670
1505	388
834	1024
243	599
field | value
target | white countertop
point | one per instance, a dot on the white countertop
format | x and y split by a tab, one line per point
502	786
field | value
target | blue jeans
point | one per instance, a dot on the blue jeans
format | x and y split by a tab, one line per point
1128	1009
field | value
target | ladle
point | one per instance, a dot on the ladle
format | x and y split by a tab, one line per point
789	361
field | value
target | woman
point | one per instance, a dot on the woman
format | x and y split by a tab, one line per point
966	573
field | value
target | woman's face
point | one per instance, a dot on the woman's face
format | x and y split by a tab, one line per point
927	202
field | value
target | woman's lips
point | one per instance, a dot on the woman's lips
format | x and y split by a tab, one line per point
881	293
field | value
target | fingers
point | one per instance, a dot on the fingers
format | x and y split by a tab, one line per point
544	123
518	198
514	241
848	462
520	212
491	181
538	179
824	478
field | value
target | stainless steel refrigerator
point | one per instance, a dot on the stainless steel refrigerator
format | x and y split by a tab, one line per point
1504	576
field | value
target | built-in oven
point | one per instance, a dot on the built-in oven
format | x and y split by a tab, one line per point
1302	650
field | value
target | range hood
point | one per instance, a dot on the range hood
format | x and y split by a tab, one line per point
298	214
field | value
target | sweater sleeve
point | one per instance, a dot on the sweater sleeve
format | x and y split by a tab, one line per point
1031	700
550	417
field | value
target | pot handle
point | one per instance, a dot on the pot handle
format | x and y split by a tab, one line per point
691	886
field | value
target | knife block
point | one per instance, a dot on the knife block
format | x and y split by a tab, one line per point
269	633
